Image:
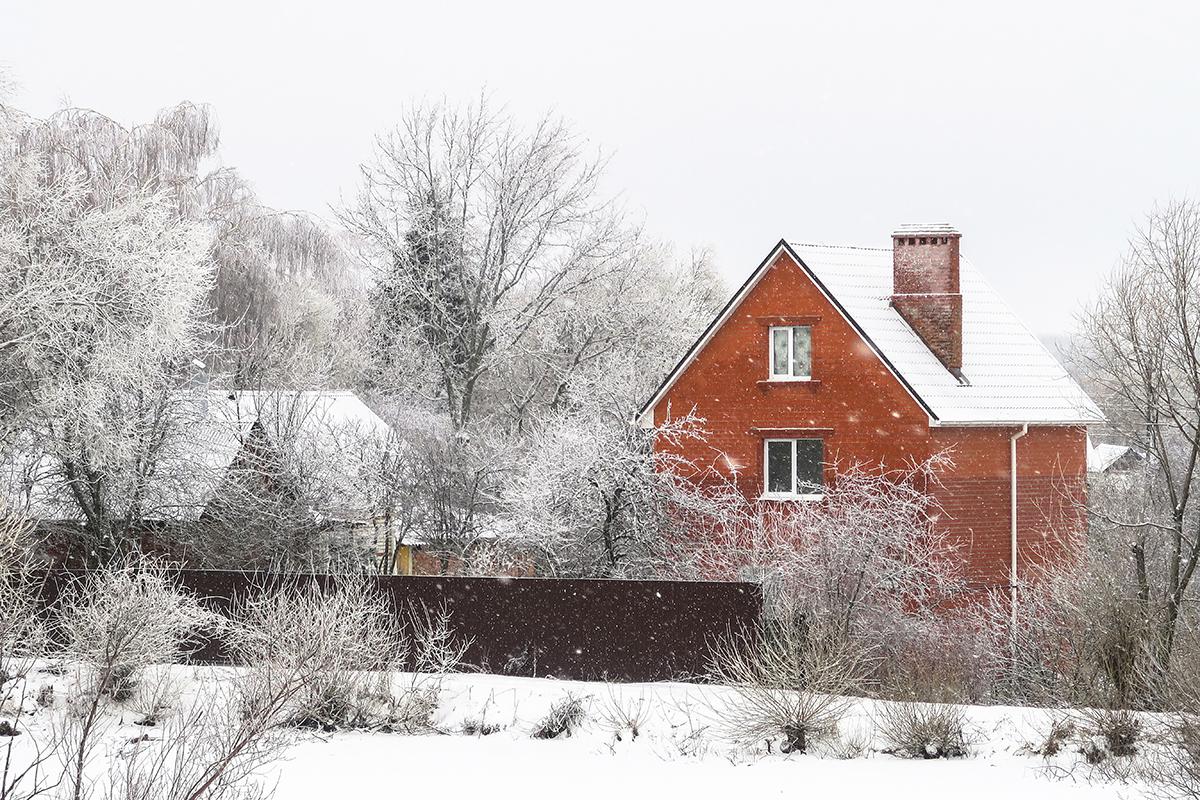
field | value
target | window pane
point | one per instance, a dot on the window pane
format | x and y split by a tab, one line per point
779	467
779	347
810	472
802	351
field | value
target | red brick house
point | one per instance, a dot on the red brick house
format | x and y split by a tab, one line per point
831	355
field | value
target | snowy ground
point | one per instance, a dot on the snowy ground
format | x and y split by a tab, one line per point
681	751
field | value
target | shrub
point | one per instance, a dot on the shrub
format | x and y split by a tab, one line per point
1182	771
22	632
116	622
120	620
1081	637
847	747
935	656
1120	729
867	566
206	750
340	647
923	730
565	716
477	727
787	682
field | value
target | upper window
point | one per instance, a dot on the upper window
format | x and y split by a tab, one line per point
791	353
794	467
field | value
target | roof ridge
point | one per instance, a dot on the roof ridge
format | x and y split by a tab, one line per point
840	246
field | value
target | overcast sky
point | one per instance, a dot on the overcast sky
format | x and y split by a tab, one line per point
1044	132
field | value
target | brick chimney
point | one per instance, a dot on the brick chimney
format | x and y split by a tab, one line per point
926	291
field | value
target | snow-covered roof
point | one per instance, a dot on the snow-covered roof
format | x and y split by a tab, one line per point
1102	456
925	228
212	428
1011	378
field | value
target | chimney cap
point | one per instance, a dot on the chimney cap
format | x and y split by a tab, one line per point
926	229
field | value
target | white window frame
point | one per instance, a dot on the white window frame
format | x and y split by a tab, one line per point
791	340
792	494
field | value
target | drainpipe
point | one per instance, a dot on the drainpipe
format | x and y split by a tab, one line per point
1012	516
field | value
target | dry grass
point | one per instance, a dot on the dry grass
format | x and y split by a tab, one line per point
565	716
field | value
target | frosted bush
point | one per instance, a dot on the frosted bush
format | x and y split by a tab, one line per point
126	617
341	646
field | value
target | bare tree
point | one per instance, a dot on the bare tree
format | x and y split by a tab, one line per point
480	229
1142	347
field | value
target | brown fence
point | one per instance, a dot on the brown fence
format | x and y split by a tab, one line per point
623	630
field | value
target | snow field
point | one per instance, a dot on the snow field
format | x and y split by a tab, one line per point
484	747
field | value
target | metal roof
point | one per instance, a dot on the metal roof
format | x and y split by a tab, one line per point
1011	376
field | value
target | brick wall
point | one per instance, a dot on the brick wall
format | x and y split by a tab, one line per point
866	413
976	501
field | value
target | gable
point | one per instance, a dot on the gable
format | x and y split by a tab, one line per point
782	254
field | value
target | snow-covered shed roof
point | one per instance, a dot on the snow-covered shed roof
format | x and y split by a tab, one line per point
1011	378
213	426
1102	457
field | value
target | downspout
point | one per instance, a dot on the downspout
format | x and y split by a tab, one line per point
1012	516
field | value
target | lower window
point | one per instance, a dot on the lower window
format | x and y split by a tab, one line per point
794	467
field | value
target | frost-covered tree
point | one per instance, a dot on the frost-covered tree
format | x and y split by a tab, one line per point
101	309
423	482
279	277
126	258
287	298
591	496
525	308
606	349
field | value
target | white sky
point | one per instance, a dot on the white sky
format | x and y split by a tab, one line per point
1043	131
